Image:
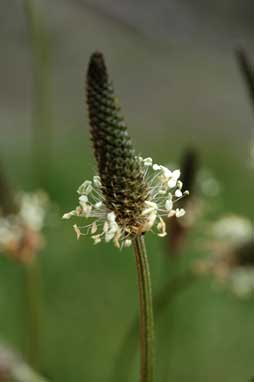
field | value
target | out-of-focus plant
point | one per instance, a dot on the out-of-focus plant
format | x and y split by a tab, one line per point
41	118
178	229
128	197
14	369
21	222
247	70
231	260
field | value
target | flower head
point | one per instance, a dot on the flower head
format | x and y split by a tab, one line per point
232	254
20	232
130	194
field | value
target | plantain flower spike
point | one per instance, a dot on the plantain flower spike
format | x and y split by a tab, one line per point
130	194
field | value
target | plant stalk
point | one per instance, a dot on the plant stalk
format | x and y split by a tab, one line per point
146	312
162	299
41	115
34	311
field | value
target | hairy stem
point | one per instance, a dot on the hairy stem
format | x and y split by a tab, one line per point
146	312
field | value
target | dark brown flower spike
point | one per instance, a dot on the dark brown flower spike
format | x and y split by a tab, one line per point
120	170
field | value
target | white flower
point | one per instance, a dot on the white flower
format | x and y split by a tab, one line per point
164	188
233	229
30	217
32	209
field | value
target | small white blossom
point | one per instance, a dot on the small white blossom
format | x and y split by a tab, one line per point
32	209
164	188
30	216
233	229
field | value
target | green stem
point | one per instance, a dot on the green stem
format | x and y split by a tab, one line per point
146	312
34	311
41	117
161	301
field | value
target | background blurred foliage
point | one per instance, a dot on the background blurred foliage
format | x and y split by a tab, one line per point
174	95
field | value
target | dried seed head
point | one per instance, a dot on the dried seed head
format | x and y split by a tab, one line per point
121	176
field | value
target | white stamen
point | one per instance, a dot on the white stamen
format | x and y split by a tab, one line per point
156	167
127	242
168	205
68	215
180	212
77	230
148	162
85	188
93	228
159	180
178	193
